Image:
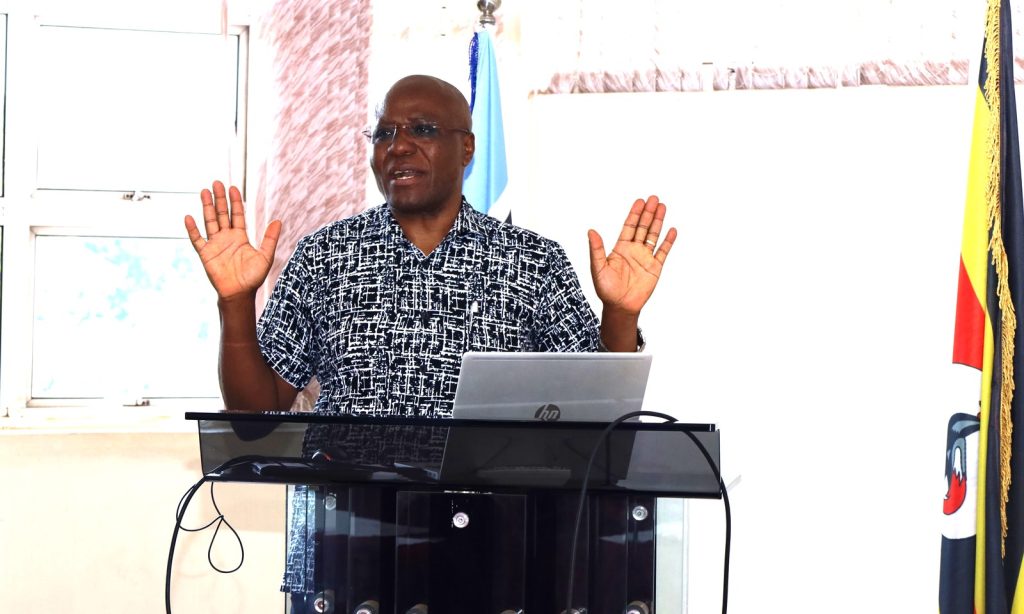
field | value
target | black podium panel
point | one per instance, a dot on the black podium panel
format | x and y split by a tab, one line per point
415	515
463	552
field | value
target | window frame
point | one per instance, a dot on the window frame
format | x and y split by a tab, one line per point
27	213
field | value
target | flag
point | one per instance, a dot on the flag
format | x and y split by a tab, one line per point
487	175
983	529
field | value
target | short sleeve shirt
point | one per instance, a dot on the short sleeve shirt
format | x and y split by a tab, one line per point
383	326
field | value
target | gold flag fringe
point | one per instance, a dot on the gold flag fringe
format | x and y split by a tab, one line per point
1008	320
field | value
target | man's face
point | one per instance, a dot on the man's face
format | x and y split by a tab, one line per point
420	173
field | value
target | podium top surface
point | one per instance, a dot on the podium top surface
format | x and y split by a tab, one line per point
661	459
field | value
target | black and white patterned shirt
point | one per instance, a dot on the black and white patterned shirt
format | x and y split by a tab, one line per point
383	327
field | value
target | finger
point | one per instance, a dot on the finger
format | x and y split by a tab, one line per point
237	208
220	203
193	233
643	227
598	258
268	246
666	245
209	213
632	221
652	233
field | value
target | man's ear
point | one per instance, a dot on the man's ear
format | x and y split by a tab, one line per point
469	145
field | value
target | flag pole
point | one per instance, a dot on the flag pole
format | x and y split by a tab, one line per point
487	8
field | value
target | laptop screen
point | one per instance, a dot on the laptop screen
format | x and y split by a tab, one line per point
571	386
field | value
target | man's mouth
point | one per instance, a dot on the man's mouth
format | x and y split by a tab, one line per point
404	175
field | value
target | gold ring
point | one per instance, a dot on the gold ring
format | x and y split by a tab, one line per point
651	243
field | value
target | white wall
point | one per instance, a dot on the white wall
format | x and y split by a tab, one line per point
807	308
86	521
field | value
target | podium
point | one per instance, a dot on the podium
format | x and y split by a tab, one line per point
417	515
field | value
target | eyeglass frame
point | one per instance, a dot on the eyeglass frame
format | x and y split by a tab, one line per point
407	129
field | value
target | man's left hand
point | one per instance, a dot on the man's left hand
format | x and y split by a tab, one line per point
626	277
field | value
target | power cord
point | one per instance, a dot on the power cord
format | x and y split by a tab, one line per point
728	519
218	520
583	498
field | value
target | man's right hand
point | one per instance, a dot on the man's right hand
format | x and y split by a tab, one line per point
234	266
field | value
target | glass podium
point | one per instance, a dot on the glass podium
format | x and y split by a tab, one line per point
413	515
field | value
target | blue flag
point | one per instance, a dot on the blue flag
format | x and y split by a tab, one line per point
487	175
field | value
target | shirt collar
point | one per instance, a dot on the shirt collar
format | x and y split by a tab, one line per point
468	223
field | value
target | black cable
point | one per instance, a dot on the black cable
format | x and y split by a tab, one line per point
219	520
583	492
728	519
182	506
583	497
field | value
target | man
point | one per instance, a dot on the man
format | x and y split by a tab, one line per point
381	306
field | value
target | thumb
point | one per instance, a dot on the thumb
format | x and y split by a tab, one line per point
268	246
598	259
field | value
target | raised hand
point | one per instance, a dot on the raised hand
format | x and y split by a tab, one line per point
234	266
626	277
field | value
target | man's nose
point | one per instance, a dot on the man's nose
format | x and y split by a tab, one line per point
401	142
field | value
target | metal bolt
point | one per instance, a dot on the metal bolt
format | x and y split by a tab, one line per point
636	607
323	603
460	520
639	513
367	607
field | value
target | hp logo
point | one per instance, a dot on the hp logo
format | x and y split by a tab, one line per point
548	413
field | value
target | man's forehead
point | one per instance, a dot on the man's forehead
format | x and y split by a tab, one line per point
414	108
423	99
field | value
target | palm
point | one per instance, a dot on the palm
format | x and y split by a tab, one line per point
628	277
233	265
625	278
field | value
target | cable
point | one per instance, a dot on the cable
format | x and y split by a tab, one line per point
728	519
583	492
583	497
182	506
219	520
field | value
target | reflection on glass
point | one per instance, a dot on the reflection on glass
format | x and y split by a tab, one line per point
122	318
134	110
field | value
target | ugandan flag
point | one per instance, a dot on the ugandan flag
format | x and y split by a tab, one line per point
983	531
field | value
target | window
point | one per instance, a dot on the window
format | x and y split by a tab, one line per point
119	128
122	318
122	110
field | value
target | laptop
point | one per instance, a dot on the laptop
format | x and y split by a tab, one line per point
551	386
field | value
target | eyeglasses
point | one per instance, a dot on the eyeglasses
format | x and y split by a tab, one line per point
418	131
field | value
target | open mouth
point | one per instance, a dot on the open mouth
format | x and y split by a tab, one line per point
405	175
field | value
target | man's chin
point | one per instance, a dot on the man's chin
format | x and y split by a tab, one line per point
409	205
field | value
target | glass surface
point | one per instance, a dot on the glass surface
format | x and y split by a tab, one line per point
134	110
122	318
648	458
